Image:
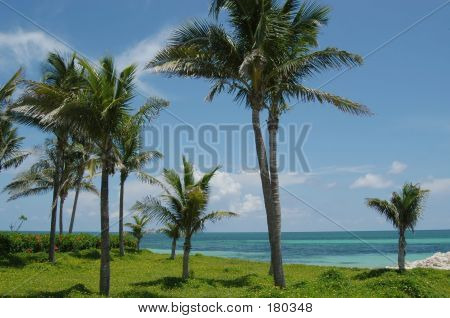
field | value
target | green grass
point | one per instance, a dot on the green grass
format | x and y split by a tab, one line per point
154	275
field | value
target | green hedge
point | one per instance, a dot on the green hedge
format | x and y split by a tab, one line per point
11	242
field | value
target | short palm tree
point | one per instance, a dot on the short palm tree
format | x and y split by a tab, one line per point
138	228
172	231
132	158
185	206
404	210
247	61
11	155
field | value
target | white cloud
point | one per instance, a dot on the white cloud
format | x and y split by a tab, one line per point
140	54
371	181
437	185
250	203
26	47
397	167
223	184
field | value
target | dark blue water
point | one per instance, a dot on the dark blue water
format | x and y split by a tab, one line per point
360	249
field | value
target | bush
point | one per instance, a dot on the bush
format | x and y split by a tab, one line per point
11	243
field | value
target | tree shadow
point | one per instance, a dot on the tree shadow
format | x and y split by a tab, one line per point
300	284
242	281
165	283
92	254
135	293
79	288
21	260
374	273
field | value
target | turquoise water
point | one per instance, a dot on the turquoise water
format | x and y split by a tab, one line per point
360	249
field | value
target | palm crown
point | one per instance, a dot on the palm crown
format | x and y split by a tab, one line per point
404	209
11	154
186	201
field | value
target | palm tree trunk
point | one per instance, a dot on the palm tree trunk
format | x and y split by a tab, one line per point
75	201
265	178
56	185
186	251
277	263
121	242
104	221
401	250
138	245
174	247
51	252
61	212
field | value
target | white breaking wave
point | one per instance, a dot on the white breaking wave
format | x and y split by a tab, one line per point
437	261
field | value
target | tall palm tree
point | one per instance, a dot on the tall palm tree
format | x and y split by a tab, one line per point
61	80
11	155
131	156
291	67
138	228
185	206
172	231
404	210
243	62
99	111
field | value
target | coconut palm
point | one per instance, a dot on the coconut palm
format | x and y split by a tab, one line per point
172	231
185	206
11	155
61	80
138	227
404	210
131	156
83	159
99	111
243	62
39	179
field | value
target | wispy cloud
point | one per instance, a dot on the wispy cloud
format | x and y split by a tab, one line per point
397	167
371	181
140	54
249	203
437	185
26	47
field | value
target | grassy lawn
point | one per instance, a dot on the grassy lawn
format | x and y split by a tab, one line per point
154	275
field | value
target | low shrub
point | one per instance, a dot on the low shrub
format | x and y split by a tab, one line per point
13	242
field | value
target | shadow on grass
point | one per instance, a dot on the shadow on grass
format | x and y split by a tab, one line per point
165	283
87	254
134	293
23	259
243	281
78	288
374	273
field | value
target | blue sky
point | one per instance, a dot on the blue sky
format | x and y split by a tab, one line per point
404	82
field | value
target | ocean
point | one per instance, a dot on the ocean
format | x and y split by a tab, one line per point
370	249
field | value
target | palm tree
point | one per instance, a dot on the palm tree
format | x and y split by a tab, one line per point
83	151
11	155
138	227
61	80
186	206
243	62
39	179
404	210
99	111
132	157
172	231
